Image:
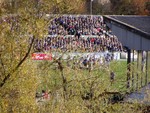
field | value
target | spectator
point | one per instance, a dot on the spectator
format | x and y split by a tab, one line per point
112	77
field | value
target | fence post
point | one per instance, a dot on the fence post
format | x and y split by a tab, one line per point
139	67
133	71
147	66
128	67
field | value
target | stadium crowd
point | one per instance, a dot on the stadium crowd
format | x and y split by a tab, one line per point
78	33
76	25
73	43
87	34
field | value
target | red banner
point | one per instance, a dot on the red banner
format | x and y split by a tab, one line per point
41	56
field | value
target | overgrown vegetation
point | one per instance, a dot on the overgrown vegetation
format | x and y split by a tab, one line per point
85	91
71	89
122	7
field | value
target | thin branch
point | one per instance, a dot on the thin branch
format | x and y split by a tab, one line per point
105	93
19	64
2	65
83	79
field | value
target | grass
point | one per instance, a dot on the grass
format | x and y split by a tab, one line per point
51	78
120	69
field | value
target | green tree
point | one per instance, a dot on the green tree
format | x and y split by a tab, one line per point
22	20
